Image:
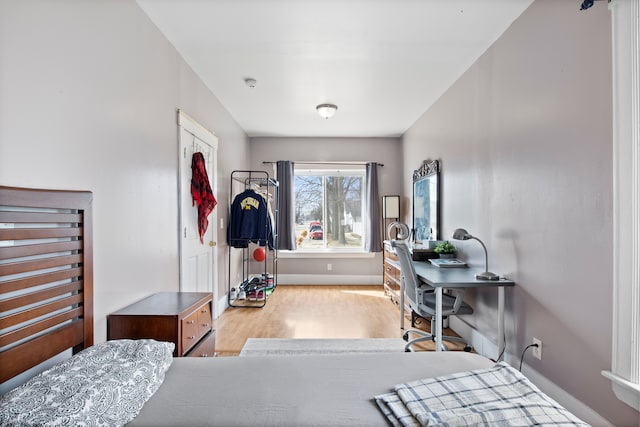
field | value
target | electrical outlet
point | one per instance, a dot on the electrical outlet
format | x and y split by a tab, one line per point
329	267
537	351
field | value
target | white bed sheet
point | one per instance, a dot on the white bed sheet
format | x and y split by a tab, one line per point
329	390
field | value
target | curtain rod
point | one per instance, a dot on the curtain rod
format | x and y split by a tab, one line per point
326	163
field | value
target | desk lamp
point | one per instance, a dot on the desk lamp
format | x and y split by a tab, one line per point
462	234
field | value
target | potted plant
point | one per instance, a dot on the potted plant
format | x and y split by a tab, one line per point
445	249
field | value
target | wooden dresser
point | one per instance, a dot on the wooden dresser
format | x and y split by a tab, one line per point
183	318
392	279
391	276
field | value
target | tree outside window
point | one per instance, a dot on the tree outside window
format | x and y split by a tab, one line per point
328	209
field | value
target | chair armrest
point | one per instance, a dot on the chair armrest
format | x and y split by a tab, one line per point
426	287
458	302
452	302
423	289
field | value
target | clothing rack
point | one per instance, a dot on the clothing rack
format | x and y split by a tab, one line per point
260	192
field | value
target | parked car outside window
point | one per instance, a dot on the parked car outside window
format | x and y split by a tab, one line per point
315	232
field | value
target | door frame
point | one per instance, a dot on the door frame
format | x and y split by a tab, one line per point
193	127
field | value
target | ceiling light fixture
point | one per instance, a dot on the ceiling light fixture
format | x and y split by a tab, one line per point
250	82
326	110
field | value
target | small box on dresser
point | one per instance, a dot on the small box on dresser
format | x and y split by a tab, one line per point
183	318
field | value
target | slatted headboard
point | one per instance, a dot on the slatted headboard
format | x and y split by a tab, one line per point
46	276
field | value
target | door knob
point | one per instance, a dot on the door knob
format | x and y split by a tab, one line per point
212	243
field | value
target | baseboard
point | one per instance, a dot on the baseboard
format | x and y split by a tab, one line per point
581	410
480	343
328	279
489	348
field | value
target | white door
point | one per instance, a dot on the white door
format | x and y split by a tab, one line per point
198	269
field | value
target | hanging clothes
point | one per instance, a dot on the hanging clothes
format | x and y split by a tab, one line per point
201	193
249	221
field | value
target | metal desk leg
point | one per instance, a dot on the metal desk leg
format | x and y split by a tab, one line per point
438	331
401	302
501	342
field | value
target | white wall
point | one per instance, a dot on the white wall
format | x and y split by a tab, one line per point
525	139
88	98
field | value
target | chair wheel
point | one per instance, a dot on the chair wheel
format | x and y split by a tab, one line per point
468	348
406	350
406	336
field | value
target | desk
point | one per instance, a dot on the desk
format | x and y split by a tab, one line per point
441	278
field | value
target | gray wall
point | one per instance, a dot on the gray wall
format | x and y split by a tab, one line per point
88	98
525	139
88	92
383	150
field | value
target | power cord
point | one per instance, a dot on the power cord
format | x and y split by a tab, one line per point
523	351
504	341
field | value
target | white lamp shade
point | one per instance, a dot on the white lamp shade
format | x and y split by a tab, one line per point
391	205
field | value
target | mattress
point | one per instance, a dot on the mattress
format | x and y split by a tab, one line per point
310	390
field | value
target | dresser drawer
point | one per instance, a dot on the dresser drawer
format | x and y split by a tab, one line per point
190	331
206	347
391	283
390	255
391	270
391	275
204	319
389	252
195	326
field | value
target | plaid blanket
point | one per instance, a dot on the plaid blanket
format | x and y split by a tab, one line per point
497	396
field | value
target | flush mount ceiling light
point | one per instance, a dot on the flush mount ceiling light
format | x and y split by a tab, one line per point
326	110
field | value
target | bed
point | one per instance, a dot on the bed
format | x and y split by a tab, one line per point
46	307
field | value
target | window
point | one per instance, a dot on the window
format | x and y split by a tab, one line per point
625	369
329	208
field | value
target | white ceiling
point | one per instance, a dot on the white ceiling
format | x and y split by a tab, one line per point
383	62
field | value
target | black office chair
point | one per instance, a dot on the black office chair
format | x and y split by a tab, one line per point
422	299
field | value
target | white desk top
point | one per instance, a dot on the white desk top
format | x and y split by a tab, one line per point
458	277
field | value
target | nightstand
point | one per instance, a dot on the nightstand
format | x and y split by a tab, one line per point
183	318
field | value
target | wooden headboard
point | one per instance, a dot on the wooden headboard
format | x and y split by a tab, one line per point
46	276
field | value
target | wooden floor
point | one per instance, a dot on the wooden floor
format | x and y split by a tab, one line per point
315	312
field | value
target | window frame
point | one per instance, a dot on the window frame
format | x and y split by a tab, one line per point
324	170
625	368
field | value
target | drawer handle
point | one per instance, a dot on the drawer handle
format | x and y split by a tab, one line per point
204	355
205	324
191	337
190	322
205	311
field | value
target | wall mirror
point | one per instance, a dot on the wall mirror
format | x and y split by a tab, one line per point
426	203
